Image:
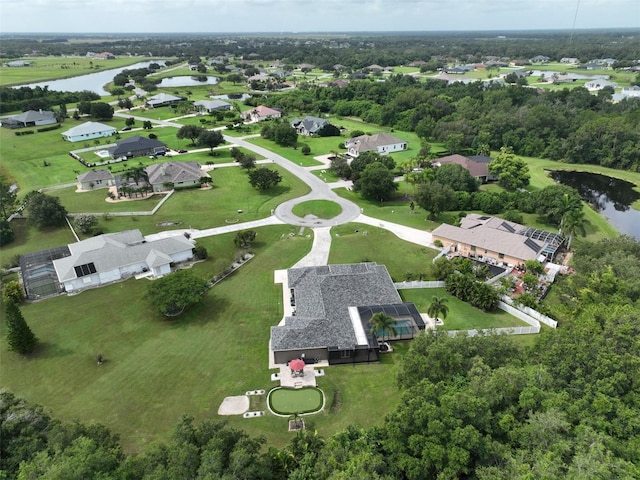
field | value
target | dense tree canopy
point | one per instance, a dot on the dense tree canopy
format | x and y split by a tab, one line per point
171	294
264	178
45	211
376	182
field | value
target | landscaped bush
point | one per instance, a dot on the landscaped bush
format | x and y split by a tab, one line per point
48	129
24	132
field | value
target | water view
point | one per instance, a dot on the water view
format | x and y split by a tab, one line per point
611	197
188	81
94	82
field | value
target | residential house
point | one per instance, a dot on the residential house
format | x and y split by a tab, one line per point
497	241
327	313
210	106
260	113
478	165
17	63
599	84
633	91
169	175
570	60
309	125
162	100
539	59
95	179
30	118
105	56
88	131
108	258
137	146
382	143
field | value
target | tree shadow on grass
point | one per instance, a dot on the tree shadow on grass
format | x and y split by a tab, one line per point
49	350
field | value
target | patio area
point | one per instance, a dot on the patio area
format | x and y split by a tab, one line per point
287	378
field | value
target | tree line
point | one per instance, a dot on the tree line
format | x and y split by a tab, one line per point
471	407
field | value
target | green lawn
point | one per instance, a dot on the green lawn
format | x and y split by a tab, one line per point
95	202
461	316
319	208
357	242
52	68
287	401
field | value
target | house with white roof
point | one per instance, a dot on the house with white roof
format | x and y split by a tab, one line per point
599	84
88	131
110	257
382	143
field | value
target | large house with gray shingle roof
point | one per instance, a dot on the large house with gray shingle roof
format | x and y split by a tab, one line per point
309	125
165	176
330	310
497	241
30	118
477	165
116	256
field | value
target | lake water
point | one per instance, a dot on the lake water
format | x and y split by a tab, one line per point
611	197
94	82
187	81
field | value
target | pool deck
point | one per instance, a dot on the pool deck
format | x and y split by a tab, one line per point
307	380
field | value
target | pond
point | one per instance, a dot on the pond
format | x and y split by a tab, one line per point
188	81
93	82
611	197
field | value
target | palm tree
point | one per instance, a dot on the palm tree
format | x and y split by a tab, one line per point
438	308
573	222
381	321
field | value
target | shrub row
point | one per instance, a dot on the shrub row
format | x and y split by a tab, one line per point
48	129
24	132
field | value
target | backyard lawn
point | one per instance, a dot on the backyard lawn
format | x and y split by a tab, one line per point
461	316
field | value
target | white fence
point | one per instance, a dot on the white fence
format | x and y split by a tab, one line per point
530	312
418	284
504	331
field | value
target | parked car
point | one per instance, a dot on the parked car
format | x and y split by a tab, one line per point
126	129
182	150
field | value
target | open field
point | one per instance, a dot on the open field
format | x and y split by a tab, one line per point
223	342
53	68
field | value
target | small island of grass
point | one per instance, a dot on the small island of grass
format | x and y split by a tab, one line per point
324	209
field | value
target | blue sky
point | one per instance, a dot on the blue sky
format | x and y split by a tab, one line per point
220	16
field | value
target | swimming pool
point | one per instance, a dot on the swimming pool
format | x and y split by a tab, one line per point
403	327
103	153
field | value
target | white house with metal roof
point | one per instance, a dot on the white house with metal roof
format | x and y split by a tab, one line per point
116	256
88	131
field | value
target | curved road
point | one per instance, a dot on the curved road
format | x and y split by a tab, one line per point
319	254
319	191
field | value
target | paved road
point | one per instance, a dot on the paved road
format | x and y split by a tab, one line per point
320	190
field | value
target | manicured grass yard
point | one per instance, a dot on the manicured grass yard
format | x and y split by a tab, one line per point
319	208
287	401
357	242
461	316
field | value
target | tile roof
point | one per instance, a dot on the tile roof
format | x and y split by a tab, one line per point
494	234
475	168
323	296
